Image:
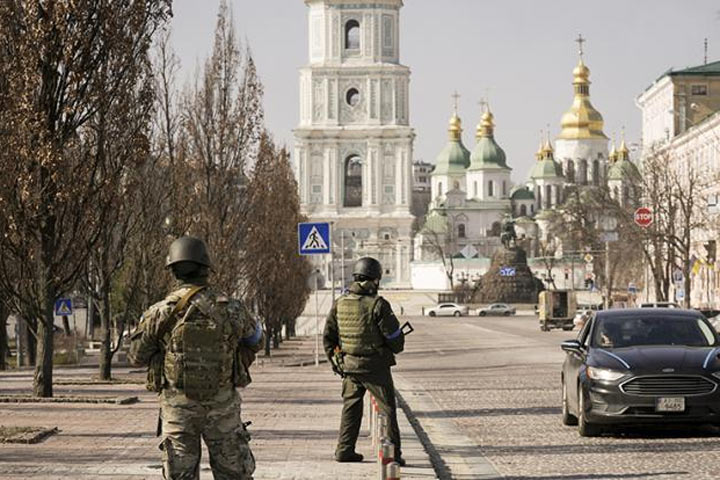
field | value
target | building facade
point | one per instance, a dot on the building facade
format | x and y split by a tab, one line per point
354	144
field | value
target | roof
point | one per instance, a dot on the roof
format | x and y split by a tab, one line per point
488	155
622	169
522	193
648	312
709	69
546	168
454	158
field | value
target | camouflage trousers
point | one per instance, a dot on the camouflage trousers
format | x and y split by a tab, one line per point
217	421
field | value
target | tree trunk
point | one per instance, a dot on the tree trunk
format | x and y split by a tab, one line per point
29	343
66	325
4	346
276	338
42	378
106	352
268	334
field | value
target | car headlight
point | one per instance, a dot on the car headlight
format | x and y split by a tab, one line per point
604	374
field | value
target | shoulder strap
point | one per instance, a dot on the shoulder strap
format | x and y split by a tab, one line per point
169	324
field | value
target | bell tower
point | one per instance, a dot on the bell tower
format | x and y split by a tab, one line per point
354	144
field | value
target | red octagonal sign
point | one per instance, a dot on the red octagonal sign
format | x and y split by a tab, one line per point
643	217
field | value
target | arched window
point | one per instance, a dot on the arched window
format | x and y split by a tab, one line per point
538	197
532	208
353	182
582	172
475	190
570	171
523	210
596	172
491	192
352	35
461	230
504	194
548	196
439	188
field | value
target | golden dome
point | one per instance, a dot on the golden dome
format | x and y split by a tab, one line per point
455	128
612	156
487	125
582	121
547	149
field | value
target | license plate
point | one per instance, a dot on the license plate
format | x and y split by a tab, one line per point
670	404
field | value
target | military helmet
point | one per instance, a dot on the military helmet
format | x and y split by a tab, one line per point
369	267
188	249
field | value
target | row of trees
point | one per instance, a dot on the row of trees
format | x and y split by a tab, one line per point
105	161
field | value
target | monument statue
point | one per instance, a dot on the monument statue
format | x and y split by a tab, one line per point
508	237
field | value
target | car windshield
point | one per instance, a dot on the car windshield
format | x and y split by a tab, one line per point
631	331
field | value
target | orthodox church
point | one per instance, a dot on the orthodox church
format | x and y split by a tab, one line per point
471	192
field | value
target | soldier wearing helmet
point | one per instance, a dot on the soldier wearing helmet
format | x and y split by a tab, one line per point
362	336
198	345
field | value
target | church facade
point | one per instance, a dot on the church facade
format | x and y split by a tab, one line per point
354	144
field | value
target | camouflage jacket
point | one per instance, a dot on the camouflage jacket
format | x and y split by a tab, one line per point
146	341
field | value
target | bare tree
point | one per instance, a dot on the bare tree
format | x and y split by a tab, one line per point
60	63
438	241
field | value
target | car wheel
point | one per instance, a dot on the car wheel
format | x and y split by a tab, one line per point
432	314
567	328
544	326
507	314
585	428
457	313
481	314
567	417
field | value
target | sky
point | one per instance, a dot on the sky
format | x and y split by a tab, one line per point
518	53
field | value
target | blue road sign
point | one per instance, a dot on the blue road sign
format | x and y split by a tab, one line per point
63	307
507	271
314	238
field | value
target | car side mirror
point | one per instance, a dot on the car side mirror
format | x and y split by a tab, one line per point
572	346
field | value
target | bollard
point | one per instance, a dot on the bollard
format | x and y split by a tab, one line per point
380	435
385	456
393	471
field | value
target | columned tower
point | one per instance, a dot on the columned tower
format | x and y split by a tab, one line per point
354	144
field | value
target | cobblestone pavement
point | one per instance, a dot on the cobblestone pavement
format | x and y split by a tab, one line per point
497	382
295	413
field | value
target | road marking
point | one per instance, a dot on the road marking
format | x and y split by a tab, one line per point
454	454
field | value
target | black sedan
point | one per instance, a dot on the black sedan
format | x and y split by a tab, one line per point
640	366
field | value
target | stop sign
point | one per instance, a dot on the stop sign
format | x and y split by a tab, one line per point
643	217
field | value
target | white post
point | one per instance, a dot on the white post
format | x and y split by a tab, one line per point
342	260
607	275
317	325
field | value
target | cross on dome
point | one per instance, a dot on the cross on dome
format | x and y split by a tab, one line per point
580	40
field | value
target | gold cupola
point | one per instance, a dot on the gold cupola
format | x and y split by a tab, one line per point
582	121
486	127
613	155
455	128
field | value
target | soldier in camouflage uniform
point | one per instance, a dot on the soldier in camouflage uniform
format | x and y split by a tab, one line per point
362	336
198	345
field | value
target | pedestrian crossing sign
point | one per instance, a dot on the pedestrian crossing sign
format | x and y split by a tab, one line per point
314	238
63	307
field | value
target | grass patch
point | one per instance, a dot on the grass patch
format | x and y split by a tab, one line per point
25	434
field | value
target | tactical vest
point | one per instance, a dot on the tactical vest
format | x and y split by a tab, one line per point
359	332
201	350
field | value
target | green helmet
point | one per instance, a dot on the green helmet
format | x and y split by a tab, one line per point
368	267
188	249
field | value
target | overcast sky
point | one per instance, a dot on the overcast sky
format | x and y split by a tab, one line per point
520	51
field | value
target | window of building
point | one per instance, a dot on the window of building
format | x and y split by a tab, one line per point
352	35
532	209
475	189
491	193
523	210
353	182
386	236
440	192
698	90
504	188
461	230
570	171
596	173
352	97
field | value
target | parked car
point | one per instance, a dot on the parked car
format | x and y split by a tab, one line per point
641	366
496	309
659	305
448	310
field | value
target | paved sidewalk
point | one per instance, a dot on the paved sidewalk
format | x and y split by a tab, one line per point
295	413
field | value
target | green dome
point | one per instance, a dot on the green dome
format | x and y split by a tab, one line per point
622	169
546	168
487	155
454	158
522	193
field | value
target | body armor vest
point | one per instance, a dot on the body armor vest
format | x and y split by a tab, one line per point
201	351
359	333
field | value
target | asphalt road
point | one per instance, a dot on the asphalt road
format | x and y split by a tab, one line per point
486	392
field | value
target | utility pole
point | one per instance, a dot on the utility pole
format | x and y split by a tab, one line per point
342	259
607	275
332	265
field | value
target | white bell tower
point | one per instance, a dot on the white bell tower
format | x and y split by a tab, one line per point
354	144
